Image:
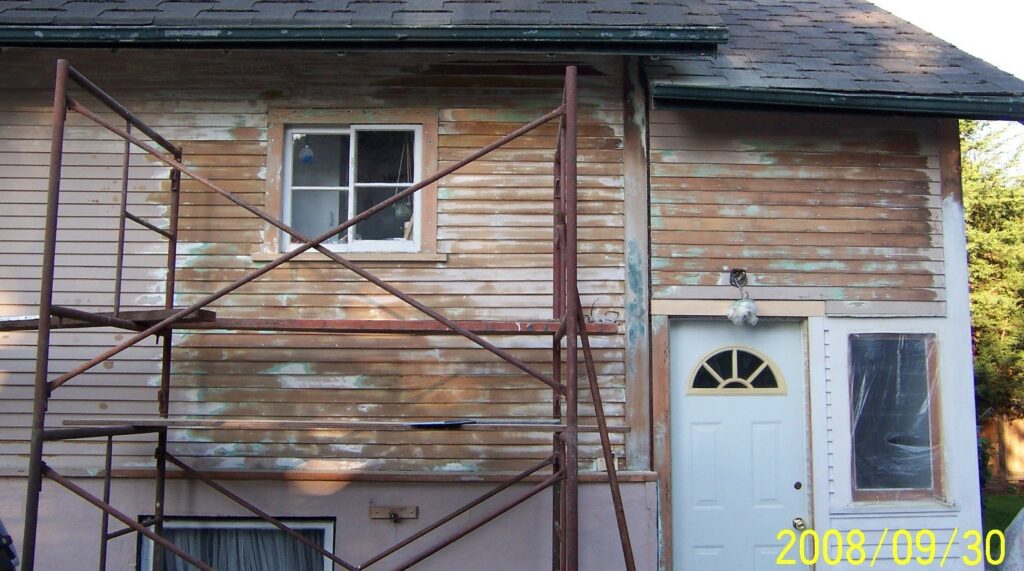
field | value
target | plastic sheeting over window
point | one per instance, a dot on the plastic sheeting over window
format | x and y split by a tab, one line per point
894	428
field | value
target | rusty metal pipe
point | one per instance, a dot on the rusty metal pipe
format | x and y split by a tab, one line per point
121	110
125	531
606	445
94	432
40	392
192	472
476	525
490	494
122	215
51	474
557	313
571	435
147	225
285	257
105	518
104	320
164	395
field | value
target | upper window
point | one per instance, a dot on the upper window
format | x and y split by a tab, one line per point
326	165
332	174
893	410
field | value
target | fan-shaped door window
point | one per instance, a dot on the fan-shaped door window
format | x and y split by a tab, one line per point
737	371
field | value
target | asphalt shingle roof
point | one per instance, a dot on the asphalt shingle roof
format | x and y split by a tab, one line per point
332	13
831	45
847	46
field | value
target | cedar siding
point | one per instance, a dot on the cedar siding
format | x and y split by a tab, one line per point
493	237
837	208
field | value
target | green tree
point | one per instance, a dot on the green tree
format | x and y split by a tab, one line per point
994	209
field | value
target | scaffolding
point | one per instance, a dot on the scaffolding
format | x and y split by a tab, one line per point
567	329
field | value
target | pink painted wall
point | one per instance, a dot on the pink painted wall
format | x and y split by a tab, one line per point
519	540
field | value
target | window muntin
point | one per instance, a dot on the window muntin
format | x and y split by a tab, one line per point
243	544
737	371
894	416
334	173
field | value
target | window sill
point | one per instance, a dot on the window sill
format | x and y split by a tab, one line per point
901	508
314	256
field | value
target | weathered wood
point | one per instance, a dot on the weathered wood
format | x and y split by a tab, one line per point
948	136
492	425
419	327
636	190
495	265
661	424
850	213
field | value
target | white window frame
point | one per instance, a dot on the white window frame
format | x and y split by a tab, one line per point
838	334
322	524
413	245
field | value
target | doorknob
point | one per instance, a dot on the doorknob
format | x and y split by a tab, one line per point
799	524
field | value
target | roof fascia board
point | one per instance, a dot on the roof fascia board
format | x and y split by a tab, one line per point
991	107
633	41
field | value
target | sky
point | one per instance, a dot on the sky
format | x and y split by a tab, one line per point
988	29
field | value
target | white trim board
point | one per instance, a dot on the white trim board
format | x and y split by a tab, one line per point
719	307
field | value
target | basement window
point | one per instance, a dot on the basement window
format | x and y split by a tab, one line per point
243	544
894	416
333	174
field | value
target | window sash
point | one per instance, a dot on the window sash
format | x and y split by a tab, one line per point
350	242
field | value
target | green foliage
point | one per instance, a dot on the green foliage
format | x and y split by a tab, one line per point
984	455
994	209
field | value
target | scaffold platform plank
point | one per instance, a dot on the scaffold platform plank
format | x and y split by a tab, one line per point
491	425
395	326
133	320
202	319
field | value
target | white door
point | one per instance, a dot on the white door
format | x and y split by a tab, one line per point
739	448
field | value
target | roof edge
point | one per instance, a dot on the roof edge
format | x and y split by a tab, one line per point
991	107
633	41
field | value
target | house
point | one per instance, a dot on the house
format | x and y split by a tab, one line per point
800	154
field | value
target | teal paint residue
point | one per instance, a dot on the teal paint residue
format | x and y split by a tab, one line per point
290	369
636	302
878	267
191	435
808	266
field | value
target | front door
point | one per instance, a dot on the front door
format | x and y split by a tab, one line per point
739	445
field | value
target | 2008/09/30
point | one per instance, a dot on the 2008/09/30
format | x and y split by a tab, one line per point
906	547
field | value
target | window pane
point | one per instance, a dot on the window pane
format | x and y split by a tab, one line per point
315	211
891	411
384	156
245	549
392	223
319	160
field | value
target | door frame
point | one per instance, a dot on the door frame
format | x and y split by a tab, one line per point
811	313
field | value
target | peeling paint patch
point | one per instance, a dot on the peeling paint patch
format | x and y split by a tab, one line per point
290	369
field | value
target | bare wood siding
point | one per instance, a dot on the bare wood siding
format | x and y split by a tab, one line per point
819	207
493	223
